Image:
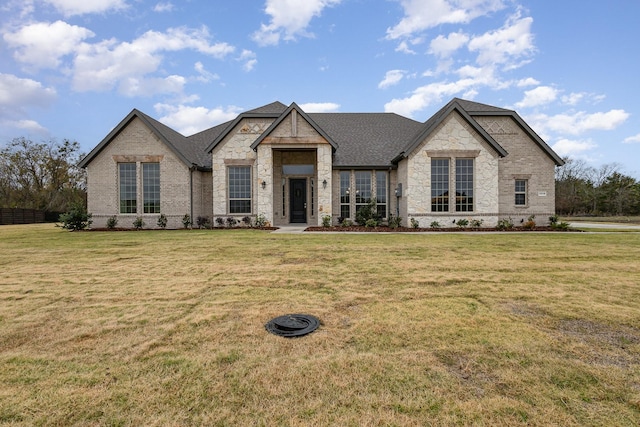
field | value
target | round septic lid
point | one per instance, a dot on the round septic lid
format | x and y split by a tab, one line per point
292	325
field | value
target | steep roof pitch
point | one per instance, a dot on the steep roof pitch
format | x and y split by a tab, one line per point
172	139
477	110
430	125
284	115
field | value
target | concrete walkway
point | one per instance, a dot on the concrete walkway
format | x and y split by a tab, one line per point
605	225
291	229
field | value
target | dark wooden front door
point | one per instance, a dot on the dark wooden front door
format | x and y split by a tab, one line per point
298	200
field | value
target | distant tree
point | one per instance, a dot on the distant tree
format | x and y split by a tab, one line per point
42	176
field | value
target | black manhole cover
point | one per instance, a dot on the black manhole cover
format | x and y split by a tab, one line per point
292	325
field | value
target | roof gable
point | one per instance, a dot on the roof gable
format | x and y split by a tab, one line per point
430	126
286	114
172	139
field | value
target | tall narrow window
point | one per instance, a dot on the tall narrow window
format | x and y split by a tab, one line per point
239	189
440	185
381	193
345	196
128	187
363	189
464	185
521	192
151	187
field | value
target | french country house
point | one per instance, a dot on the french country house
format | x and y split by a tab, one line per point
468	161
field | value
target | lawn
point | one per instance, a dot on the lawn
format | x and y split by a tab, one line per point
167	328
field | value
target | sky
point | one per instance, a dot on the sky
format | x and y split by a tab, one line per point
73	69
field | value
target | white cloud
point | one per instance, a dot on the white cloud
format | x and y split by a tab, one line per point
539	96
505	45
391	78
420	15
404	48
571	148
632	139
163	7
577	123
204	75
108	64
190	120
319	107
17	93
25	125
81	7
134	86
427	95
249	59
289	19
445	46
529	81
43	44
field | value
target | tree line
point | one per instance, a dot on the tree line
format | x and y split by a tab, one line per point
43	176
586	190
46	176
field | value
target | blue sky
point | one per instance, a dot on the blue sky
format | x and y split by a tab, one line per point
72	69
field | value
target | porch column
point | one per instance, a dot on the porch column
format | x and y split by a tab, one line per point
264	175
324	167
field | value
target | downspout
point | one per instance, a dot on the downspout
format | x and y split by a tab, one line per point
191	170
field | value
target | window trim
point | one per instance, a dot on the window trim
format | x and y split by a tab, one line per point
345	194
156	189
440	202
523	193
132	190
470	206
250	190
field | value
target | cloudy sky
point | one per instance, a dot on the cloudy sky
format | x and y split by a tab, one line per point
72	69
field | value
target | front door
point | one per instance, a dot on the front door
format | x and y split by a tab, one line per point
298	200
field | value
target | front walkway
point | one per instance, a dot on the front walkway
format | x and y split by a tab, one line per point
291	229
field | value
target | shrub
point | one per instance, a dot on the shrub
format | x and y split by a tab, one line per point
186	221
231	222
260	221
561	226
112	221
435	224
371	223
203	222
326	220
77	218
462	223
162	221
504	224
530	223
553	219
415	223
476	223
220	222
395	221
247	221
368	212
346	222
138	223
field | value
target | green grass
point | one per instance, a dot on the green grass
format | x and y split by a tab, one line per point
167	328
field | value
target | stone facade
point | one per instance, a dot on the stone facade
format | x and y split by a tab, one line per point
138	144
284	149
453	139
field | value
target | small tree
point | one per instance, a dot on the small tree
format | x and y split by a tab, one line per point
368	214
138	223
77	218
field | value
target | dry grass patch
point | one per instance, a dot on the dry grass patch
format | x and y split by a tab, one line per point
167	328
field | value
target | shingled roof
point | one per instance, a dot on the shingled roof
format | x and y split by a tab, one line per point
360	140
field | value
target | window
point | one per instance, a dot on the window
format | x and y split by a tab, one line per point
128	187
464	185
440	185
345	200
521	192
381	193
239	179
363	189
151	187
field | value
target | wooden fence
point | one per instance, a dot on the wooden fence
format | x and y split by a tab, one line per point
21	216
